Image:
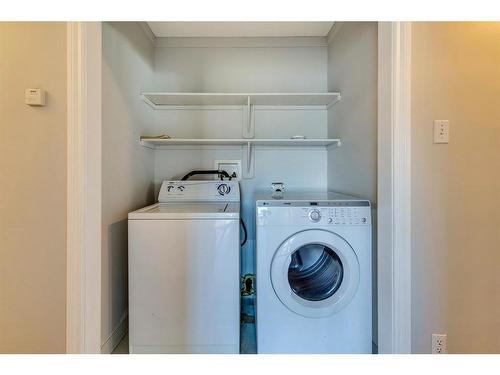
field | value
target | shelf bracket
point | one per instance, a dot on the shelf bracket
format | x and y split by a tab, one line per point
334	101
249	119
249	162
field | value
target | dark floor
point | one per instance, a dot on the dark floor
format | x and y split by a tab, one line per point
248	342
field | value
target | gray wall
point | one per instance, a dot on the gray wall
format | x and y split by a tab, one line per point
244	68
127	169
352	69
347	64
241	69
352	168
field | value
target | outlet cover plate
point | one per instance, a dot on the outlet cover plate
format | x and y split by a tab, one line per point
439	343
441	131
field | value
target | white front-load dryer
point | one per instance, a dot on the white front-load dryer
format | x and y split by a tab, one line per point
313	271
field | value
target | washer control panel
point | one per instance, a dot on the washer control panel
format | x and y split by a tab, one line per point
201	190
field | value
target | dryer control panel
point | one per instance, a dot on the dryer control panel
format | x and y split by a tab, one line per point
338	216
328	214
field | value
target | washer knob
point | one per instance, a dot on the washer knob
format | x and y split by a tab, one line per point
330	220
223	189
314	216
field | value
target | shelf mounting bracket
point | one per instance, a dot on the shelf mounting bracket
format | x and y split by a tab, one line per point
249	162
249	119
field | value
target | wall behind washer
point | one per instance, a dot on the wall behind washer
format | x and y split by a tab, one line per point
127	168
32	189
237	66
300	170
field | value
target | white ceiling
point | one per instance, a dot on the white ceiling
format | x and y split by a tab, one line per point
239	29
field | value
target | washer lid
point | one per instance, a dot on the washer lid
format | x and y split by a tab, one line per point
202	210
315	273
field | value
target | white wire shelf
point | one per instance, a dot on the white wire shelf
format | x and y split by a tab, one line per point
161	143
168	100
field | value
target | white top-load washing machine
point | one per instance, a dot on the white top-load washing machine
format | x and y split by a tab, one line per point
314	274
184	270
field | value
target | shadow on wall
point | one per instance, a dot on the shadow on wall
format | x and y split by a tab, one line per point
118	269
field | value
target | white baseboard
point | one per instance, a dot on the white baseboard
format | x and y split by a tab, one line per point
116	335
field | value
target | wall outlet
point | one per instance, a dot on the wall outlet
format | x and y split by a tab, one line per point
439	343
233	167
441	131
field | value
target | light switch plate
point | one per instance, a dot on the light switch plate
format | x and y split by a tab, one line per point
441	131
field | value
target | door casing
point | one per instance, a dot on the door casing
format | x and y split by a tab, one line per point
84	58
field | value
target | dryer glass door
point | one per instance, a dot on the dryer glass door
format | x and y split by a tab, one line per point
315	273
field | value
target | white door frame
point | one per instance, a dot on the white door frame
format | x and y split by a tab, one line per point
84	50
394	187
83	295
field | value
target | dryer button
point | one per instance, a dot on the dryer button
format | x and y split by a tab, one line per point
314	216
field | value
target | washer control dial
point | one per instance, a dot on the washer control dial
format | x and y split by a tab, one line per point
223	189
314	216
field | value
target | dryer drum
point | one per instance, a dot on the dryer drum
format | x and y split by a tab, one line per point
315	272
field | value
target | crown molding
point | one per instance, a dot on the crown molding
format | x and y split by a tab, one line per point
239	42
333	31
147	31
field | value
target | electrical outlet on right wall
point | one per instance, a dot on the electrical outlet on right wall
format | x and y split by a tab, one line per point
439	343
441	131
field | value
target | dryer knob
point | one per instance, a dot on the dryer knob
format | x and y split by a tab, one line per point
314	216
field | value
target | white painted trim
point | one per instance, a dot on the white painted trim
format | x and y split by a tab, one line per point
83	309
74	302
240	42
333	31
394	188
84	188
116	335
